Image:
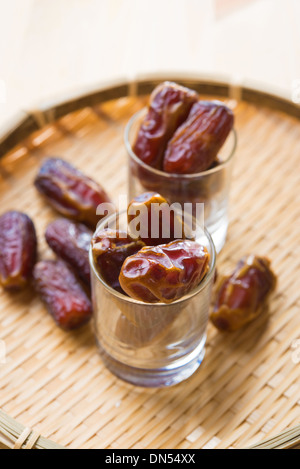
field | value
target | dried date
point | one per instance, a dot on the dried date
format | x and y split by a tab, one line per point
152	219
18	250
242	296
196	143
164	273
110	248
71	242
169	106
70	192
62	294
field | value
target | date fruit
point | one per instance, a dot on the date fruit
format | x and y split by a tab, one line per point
70	192
18	250
152	219
164	273
110	248
71	242
169	106
62	294
242	296
196	143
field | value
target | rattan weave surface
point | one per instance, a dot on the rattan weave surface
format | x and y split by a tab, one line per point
247	388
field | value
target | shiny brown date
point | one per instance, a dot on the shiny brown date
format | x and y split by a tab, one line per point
70	192
110	248
152	219
164	273
196	143
169	106
242	296
71	242
62	294
18	250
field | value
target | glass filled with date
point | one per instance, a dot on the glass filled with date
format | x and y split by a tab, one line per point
209	187
157	338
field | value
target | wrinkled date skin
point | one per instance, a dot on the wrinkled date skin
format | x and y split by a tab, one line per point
110	248
243	295
164	273
70	192
169	106
18	250
196	143
151	218
71	242
62	294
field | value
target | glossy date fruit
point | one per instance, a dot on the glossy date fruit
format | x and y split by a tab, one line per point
18	250
71	242
242	296
70	192
196	143
169	106
62	294
164	273
110	248
152	219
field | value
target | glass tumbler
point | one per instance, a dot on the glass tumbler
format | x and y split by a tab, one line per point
151	344
210	188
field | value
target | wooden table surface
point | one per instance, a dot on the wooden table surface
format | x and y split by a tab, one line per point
51	48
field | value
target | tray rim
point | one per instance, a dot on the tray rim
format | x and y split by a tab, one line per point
23	124
20	440
44	113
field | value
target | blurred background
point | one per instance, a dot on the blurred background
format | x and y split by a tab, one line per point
53	48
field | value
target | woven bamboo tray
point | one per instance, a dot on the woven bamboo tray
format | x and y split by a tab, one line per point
246	391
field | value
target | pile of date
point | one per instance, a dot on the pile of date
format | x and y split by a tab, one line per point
149	270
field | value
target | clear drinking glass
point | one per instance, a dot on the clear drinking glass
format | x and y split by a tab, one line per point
153	344
210	187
